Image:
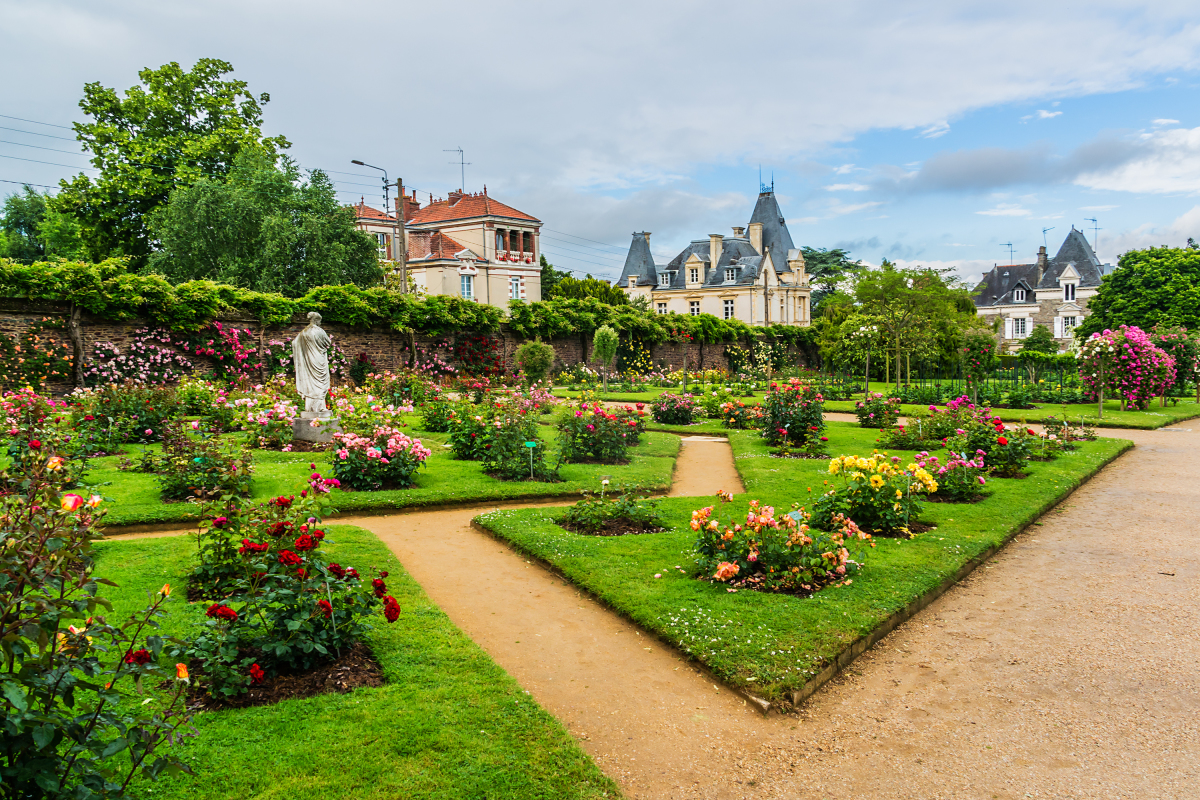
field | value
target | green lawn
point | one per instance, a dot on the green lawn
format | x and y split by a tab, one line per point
448	724
773	645
443	480
1154	417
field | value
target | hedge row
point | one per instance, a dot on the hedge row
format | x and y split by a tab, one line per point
110	291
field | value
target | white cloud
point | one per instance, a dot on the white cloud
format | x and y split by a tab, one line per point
847	187
1043	114
1165	161
1006	210
1097	208
937	129
838	209
1174	234
1158	123
846	169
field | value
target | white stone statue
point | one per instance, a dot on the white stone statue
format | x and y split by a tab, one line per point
310	355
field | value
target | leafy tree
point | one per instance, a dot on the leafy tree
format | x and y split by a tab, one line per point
1156	286
604	348
264	228
916	309
603	291
536	358
172	130
22	212
1040	340
826	269
550	277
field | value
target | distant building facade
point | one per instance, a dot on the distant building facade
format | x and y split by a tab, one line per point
467	245
1053	293
756	276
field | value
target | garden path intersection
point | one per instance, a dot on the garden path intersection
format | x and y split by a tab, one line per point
1064	667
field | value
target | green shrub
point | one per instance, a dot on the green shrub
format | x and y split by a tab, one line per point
622	509
591	433
505	454
674	409
877	411
793	413
196	464
536	359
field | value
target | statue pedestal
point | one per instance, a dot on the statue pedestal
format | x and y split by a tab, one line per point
303	429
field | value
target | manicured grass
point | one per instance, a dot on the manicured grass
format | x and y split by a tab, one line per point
1154	417
443	480
449	723
773	644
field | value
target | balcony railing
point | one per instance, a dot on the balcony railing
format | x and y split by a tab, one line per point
514	256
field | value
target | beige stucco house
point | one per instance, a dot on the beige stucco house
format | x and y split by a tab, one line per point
1053	293
469	245
756	275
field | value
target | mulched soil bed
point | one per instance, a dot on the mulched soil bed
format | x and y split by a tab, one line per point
355	669
613	527
808	456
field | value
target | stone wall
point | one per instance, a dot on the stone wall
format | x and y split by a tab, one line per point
387	348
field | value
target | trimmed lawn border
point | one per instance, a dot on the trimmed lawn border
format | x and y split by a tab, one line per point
443	481
449	722
810	641
1151	419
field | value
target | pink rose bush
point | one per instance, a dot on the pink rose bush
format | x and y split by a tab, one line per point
387	459
1125	364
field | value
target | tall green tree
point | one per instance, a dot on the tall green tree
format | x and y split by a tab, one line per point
172	130
23	211
264	227
603	291
826	270
917	309
1156	286
550	277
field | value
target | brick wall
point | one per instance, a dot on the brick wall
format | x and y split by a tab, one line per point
387	348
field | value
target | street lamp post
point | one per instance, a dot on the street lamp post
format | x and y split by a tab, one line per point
397	225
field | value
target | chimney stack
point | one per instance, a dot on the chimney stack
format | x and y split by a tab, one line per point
1041	264
716	243
756	237
738	231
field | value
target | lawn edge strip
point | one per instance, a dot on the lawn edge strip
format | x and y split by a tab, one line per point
859	646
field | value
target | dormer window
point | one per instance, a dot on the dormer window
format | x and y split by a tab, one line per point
1019	295
664	279
632	281
730	275
693	275
1068	291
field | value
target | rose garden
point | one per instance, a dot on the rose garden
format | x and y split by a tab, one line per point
185	612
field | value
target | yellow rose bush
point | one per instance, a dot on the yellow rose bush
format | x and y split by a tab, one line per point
877	492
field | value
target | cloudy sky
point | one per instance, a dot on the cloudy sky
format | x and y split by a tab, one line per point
931	133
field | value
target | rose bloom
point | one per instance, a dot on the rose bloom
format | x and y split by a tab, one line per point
380	587
289	559
138	657
221	611
326	608
256	673
391	609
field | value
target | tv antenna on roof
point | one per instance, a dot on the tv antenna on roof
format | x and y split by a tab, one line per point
1044	234
1095	230
1009	245
462	167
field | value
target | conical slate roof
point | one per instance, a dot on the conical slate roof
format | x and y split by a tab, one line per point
1076	251
775	236
639	263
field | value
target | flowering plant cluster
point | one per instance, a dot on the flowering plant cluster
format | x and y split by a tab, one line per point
35	358
979	357
674	409
468	432
362	412
435	361
877	492
268	420
153	356
278	604
137	410
235	352
384	459
591	433
877	411
737	414
1184	347
618	511
534	398
437	412
195	463
908	437
793	413
479	354
506	454
635	417
69	728
1126	364
959	478
774	554
41	440
405	388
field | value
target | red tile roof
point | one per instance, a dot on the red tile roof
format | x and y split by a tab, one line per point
364	211
432	244
466	206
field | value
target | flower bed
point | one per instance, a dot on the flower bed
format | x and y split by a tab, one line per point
792	414
959	479
386	459
196	464
876	492
774	554
739	415
877	411
613	514
674	409
590	433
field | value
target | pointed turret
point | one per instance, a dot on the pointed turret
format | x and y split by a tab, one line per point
775	234
639	263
